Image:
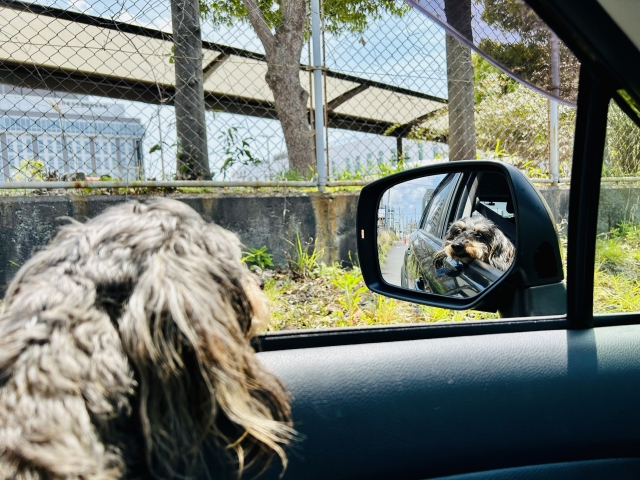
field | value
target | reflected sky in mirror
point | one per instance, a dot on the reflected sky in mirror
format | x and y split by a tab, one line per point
403	204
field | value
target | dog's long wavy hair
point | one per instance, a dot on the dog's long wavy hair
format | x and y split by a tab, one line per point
138	321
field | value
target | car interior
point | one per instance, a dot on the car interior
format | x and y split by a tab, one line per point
552	392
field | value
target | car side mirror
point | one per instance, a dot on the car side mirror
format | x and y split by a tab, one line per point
462	235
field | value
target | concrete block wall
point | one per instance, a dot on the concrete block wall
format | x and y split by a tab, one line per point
28	223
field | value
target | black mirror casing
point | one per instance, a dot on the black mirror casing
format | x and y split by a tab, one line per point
532	286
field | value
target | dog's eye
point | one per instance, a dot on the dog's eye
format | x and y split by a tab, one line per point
477	235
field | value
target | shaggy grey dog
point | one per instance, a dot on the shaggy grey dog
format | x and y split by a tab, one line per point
124	352
476	238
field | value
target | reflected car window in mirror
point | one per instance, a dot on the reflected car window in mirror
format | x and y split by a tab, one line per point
450	234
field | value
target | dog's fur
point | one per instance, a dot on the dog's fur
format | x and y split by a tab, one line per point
476	238
124	348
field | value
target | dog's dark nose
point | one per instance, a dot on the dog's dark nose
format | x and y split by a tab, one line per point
457	247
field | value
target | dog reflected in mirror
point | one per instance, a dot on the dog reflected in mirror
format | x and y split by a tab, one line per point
125	353
476	238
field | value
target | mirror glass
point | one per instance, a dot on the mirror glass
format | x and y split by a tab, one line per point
451	234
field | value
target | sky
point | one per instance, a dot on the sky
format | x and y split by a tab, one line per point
406	198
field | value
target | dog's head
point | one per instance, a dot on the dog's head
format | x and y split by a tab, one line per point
476	238
184	309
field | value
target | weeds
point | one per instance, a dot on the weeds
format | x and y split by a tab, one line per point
330	296
304	261
259	257
351	284
386	238
336	297
616	283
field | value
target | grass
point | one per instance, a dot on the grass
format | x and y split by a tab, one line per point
386	238
616	279
321	296
336	297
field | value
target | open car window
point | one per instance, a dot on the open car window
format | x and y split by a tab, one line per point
617	261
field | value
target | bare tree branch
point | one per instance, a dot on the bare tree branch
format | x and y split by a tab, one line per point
259	24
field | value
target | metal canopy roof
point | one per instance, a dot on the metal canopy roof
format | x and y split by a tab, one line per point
50	48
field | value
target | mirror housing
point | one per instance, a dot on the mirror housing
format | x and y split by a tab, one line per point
533	286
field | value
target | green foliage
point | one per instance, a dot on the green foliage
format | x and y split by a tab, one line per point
171	56
340	16
616	285
615	293
350	283
513	16
107	178
386	238
259	257
372	170
515	117
530	61
528	54
489	81
337	297
293	175
236	150
305	258
610	251
344	174
627	230
511	123
391	167
30	170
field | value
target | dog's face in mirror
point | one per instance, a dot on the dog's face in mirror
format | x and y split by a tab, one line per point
449	234
476	238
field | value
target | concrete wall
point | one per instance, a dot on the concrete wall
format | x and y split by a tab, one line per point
617	204
28	223
558	200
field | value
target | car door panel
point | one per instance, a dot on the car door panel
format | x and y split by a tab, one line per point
437	407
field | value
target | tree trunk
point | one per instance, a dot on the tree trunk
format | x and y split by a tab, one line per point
462	130
283	78
282	51
191	129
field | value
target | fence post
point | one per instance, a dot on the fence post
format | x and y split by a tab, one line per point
191	130
318	104
554	160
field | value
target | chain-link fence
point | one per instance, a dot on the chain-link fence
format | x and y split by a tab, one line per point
116	92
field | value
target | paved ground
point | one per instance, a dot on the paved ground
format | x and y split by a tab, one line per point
391	268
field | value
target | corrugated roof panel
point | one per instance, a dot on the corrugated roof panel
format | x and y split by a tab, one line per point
41	40
387	106
134	61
